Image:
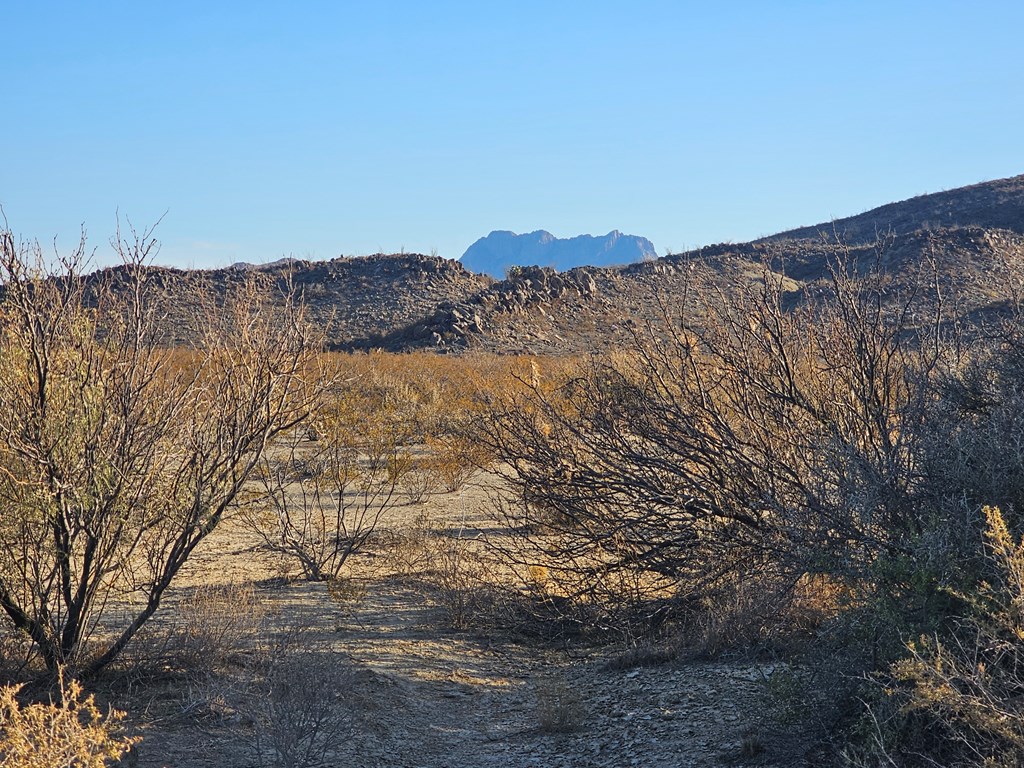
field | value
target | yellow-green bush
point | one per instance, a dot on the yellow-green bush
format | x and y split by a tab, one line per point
955	699
73	733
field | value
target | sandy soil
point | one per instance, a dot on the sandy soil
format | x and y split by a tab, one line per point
418	694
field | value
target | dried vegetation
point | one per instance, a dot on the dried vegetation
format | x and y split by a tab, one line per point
833	477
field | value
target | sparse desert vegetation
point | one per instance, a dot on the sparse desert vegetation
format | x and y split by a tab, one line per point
781	527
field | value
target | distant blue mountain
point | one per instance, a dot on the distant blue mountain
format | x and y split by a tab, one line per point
500	250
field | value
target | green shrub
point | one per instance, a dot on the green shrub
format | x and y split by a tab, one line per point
955	699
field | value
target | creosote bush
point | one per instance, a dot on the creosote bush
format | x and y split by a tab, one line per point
118	453
321	500
763	443
809	463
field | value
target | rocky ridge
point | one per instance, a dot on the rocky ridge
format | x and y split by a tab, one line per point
403	302
358	301
991	205
541	311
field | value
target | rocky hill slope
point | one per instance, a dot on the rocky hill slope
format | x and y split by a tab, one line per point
587	309
995	204
969	242
358	301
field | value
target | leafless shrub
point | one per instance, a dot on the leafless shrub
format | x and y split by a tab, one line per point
119	455
209	630
462	581
301	706
560	706
420	482
765	441
323	500
452	459
648	653
407	552
347	593
765	614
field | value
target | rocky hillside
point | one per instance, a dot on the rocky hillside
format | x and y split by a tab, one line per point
970	241
359	301
363	300
586	309
991	205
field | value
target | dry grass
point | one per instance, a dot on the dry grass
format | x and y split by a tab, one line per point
73	733
211	626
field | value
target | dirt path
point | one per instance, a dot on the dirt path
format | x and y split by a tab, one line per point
426	696
445	699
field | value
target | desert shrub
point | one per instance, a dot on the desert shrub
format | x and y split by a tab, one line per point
560	705
421	481
321	500
406	552
955	699
738	614
210	628
644	654
72	733
347	593
300	703
789	463
452	460
119	455
462	582
764	442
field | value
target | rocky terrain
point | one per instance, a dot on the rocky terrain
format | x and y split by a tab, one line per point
990	205
358	301
967	242
542	311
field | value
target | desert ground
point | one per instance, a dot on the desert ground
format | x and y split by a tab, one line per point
416	692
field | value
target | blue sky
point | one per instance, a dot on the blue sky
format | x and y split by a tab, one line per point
263	129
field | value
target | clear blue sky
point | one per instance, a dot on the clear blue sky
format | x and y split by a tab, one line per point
318	129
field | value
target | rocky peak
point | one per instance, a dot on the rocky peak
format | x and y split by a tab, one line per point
503	250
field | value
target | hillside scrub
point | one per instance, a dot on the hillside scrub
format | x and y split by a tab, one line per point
955	697
843	464
385	432
770	443
323	494
847	438
118	456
